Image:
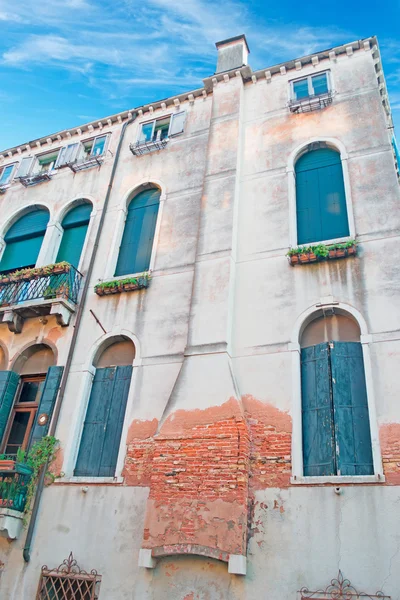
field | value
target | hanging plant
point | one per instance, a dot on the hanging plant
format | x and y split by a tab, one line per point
41	454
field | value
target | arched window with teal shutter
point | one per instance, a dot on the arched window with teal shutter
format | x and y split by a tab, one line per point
75	225
24	240
137	240
320	197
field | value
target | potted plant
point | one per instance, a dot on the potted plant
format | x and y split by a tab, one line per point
6	463
62	267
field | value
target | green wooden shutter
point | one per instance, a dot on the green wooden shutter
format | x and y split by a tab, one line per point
47	402
137	240
102	428
75	225
317	416
320	197
24	240
8	386
353	436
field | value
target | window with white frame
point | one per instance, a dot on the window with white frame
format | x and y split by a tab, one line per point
94	147
45	162
6	173
313	85
163	128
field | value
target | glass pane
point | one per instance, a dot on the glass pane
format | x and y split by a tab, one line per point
320	83
162	126
5	176
17	433
300	89
98	146
146	132
31	391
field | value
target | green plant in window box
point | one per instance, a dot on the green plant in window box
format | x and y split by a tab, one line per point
318	252
127	284
39	456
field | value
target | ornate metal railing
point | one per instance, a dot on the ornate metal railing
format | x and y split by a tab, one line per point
310	103
144	147
41	286
29	180
87	162
14	487
340	589
68	581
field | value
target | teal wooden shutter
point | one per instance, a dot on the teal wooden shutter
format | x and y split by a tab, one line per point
24	240
353	436
317	416
137	240
320	197
47	402
75	225
8	386
98	451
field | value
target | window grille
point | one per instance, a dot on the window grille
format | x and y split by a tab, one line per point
68	582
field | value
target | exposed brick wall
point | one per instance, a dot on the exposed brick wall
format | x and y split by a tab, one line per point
390	447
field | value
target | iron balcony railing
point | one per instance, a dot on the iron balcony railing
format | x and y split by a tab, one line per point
40	286
144	147
14	486
35	178
311	103
92	160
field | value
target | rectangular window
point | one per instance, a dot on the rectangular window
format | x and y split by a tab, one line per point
5	174
25	166
313	85
163	128
23	414
94	147
45	162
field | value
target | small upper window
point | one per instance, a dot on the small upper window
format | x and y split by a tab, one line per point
313	85
94	147
46	162
161	129
5	174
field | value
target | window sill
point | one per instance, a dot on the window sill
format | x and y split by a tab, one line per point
87	480
337	479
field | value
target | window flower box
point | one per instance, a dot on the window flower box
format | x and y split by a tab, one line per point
130	284
321	252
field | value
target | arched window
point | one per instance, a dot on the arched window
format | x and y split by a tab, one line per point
102	429
74	224
320	196
26	392
24	240
335	419
137	240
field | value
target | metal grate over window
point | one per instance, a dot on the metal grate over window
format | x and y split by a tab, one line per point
68	582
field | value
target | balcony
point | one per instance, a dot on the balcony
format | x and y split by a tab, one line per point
14	481
310	103
52	289
35	178
4	187
144	147
86	163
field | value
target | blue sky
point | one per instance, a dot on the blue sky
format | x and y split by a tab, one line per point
66	63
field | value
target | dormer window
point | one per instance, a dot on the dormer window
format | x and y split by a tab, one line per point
310	93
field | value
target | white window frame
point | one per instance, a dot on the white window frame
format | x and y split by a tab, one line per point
29	169
81	151
63	151
34	169
310	86
161	118
11	176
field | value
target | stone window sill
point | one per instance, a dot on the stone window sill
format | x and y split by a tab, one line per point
88	480
337	480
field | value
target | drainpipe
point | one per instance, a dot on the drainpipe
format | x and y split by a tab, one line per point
79	313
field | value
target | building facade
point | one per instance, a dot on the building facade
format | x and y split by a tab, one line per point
226	413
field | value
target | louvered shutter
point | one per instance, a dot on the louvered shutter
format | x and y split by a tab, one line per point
25	166
75	225
320	197
317	416
177	124
24	240
47	402
353	435
137	240
8	386
102	428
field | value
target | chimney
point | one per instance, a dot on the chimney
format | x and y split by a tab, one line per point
232	53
